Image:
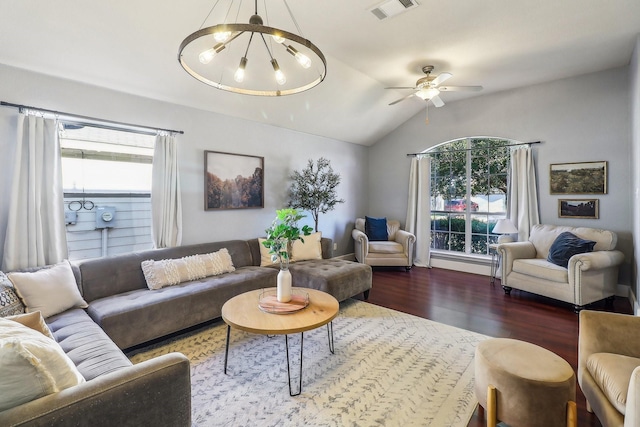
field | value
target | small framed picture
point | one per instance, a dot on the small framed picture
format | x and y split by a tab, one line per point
578	178
233	181
578	208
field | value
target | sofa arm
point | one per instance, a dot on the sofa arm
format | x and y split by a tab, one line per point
602	332
511	251
361	245
154	392
632	410
407	240
595	260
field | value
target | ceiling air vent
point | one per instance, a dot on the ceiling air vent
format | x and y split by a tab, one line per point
391	8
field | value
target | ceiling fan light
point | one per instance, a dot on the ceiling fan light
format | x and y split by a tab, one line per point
427	93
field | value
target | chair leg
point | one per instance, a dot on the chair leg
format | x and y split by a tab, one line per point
572	414
491	406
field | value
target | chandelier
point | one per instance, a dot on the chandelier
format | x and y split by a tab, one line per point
253	58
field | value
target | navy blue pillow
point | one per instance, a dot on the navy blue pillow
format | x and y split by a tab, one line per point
567	245
376	228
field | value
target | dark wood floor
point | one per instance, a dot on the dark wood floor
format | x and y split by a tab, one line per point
468	301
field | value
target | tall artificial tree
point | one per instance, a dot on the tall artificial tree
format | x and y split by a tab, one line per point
314	188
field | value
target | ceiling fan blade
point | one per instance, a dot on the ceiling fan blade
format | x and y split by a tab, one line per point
460	88
437	101
402	99
441	79
400	87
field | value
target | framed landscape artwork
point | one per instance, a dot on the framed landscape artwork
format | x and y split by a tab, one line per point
578	178
233	181
578	208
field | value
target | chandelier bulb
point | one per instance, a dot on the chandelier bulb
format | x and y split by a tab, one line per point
222	36
302	59
206	56
280	77
278	38
239	75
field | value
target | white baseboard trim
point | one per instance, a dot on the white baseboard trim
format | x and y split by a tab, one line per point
347	257
482	269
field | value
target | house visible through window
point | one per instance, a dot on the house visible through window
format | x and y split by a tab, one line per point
106	178
468	193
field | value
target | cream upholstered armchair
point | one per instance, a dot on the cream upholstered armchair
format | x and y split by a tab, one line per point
397	250
588	277
609	366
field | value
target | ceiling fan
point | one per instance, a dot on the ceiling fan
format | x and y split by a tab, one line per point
428	88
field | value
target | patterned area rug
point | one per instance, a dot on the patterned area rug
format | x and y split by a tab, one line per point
389	369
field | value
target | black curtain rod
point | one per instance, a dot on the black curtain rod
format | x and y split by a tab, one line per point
92	121
471	149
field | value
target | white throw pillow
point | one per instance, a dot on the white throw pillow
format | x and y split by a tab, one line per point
168	272
50	290
217	262
32	365
33	321
310	249
265	256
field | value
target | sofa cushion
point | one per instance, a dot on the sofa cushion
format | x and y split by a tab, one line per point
86	344
10	303
340	278
33	365
543	235
567	245
387	247
612	373
173	308
542	269
376	228
103	277
309	249
265	256
168	272
50	290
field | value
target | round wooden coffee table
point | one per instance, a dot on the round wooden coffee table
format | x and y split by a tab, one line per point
242	312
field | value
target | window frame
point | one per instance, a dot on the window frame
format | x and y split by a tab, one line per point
440	235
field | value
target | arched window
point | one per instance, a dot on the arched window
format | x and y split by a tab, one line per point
468	193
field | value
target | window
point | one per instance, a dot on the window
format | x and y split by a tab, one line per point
106	170
468	193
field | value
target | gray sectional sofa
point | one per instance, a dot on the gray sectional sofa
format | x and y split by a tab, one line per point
124	313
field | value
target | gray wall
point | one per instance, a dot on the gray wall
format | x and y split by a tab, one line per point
584	118
634	196
283	151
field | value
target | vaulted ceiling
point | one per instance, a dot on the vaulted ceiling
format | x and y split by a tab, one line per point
131	46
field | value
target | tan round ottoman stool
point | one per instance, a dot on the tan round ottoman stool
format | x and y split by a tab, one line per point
522	384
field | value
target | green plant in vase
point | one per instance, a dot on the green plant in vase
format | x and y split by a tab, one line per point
283	232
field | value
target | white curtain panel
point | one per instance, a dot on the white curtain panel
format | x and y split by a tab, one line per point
36	234
523	193
419	209
166	205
